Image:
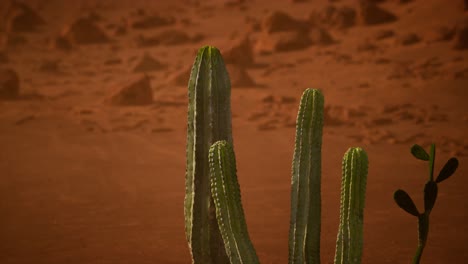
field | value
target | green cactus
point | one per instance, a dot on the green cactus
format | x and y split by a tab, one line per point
405	202
215	225
226	194
304	230
209	120
353	187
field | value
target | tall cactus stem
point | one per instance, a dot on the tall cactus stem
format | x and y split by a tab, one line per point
209	120
227	198
353	187
304	230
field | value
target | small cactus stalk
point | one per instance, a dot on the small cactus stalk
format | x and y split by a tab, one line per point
227	199
209	120
304	230
353	189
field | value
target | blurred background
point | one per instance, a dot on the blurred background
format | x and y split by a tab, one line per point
93	117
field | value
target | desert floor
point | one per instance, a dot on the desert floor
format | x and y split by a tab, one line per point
93	119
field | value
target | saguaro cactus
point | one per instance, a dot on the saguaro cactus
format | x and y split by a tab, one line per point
209	120
215	225
229	212
353	189
304	230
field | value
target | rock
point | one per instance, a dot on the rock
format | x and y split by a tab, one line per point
442	33
3	57
49	66
137	92
13	40
151	21
61	43
21	18
408	39
167	37
181	77
239	77
336	17
461	36
282	41
320	36
366	46
148	63
240	53
9	84
143	41
174	37
233	3
372	14
279	21
84	31
94	16
384	34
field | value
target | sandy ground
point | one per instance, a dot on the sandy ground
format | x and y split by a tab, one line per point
92	152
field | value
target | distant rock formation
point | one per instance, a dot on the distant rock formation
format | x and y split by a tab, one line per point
148	63
85	31
461	36
240	53
137	92
9	84
21	18
167	37
181	77
143	21
279	21
239	77
371	14
334	17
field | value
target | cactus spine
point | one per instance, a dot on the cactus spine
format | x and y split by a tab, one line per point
209	120
227	198
353	187
304	231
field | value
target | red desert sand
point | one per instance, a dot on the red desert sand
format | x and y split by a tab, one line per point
93	112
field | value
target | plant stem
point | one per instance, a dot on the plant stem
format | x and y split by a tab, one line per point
431	162
423	230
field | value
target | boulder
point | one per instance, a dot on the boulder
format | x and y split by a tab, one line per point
408	39
166	37
239	77
181	77
143	21
3	57
21	18
9	84
240	53
85	31
279	21
371	14
336	17
282	41
148	63
460	41
137	92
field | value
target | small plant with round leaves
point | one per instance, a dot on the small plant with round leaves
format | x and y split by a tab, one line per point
430	194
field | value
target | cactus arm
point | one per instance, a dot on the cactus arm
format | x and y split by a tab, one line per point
209	120
227	198
304	231
350	234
